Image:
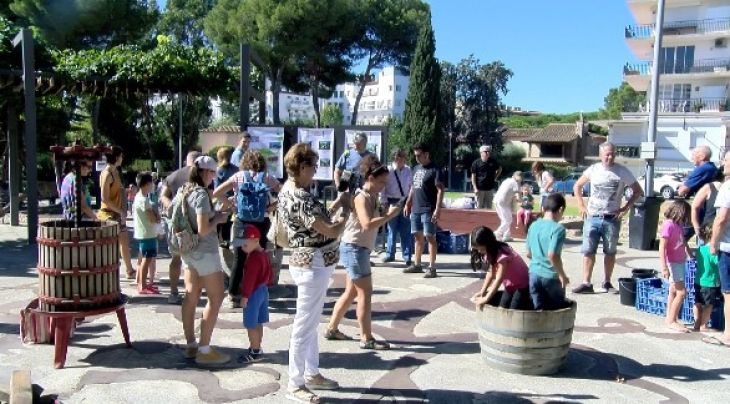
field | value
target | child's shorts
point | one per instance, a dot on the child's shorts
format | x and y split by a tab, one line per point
707	296
676	271
257	309
148	247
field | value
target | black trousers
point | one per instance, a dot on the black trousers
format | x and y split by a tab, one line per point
234	285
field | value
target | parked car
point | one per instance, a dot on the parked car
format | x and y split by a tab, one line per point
566	184
665	185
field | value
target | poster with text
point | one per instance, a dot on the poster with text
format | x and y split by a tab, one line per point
375	140
270	143
323	142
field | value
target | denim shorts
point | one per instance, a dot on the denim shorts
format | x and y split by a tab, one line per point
257	309
596	229
356	260
421	223
677	271
148	247
724	266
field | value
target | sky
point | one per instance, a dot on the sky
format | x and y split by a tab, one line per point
565	54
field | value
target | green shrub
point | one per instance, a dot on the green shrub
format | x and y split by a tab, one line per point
511	159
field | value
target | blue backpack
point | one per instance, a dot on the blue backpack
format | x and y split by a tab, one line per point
252	199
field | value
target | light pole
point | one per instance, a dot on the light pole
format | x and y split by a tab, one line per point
451	136
649	150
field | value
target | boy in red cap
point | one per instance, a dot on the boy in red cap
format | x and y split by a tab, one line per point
255	292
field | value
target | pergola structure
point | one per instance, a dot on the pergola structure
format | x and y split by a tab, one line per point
30	82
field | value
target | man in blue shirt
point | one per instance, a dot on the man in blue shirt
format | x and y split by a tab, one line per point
350	161
703	173
241	149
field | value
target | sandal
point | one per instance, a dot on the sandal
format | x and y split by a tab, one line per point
715	341
374	345
302	395
336	335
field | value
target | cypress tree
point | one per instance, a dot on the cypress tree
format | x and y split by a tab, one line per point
421	122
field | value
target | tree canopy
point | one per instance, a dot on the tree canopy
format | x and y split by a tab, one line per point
183	21
621	99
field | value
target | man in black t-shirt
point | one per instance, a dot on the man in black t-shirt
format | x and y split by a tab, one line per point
484	174
424	208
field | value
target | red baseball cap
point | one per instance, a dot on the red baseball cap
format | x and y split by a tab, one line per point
251	231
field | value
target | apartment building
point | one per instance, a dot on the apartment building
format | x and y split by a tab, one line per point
694	83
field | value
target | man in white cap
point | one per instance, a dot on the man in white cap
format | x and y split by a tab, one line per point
484	174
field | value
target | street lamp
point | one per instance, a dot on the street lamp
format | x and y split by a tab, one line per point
451	136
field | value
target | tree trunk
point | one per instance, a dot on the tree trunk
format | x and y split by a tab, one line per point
314	88
275	91
361	90
95	121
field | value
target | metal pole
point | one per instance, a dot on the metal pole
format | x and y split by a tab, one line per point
180	134
78	181
244	85
13	166
654	100
25	39
451	135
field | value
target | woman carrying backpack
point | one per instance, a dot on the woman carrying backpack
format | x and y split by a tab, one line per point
202	262
252	199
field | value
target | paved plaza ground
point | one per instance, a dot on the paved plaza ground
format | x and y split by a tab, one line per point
617	354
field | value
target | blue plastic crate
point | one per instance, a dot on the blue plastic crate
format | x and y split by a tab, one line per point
651	296
689	273
443	241
460	243
686	315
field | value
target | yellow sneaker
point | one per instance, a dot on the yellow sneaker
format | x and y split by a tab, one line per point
211	358
190	352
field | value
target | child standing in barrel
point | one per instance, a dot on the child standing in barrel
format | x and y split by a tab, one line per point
544	245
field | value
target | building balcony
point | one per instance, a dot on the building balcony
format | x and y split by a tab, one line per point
683	106
638	75
677	28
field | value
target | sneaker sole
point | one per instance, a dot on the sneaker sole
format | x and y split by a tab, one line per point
319	387
292	397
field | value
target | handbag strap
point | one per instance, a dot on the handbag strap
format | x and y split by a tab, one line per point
397	179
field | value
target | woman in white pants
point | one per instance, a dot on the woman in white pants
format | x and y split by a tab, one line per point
313	239
503	200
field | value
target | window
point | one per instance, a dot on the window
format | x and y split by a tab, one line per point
675	97
698	139
676	60
551	150
627	151
397	88
390	88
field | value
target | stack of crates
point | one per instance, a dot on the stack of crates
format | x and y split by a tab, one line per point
652	294
452	243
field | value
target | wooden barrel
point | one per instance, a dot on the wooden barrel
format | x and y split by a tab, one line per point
526	342
78	267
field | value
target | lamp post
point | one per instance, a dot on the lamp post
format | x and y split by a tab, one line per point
451	136
654	100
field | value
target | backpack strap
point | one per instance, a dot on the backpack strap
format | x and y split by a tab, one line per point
260	177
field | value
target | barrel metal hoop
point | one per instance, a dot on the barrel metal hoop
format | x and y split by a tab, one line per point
111	297
524	334
76	271
77	242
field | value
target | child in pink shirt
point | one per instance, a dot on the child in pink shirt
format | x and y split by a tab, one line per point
508	270
673	252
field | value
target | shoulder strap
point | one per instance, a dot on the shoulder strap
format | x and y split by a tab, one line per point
260	177
400	187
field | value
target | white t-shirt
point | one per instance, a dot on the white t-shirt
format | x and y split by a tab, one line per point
723	201
607	187
506	192
545	178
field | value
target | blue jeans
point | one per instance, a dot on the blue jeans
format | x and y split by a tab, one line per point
399	226
421	223
597	229
546	293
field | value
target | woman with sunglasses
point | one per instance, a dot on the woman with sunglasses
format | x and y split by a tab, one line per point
357	243
313	239
68	192
203	269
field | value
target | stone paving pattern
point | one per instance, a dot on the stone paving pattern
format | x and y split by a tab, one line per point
617	355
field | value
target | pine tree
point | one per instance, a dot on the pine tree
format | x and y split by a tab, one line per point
421	120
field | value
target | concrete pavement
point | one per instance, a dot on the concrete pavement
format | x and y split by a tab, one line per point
617	355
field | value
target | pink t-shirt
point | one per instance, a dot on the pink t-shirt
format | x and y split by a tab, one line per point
672	232
516	272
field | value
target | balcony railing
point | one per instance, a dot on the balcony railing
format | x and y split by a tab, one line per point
685	27
683	105
698	66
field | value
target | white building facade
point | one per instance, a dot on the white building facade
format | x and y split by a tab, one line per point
694	82
384	97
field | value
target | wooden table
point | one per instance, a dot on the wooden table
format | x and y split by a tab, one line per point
463	221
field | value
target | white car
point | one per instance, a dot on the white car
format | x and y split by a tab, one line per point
665	185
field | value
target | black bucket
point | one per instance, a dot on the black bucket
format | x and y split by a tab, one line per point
643	273
627	291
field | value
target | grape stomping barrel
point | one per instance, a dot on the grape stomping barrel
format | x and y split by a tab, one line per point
78	267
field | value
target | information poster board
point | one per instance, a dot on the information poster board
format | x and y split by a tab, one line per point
270	143
323	142
375	140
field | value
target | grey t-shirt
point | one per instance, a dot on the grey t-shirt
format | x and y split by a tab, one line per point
177	179
607	187
199	203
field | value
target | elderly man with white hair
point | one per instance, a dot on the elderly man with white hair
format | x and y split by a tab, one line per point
703	173
349	162
503	200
